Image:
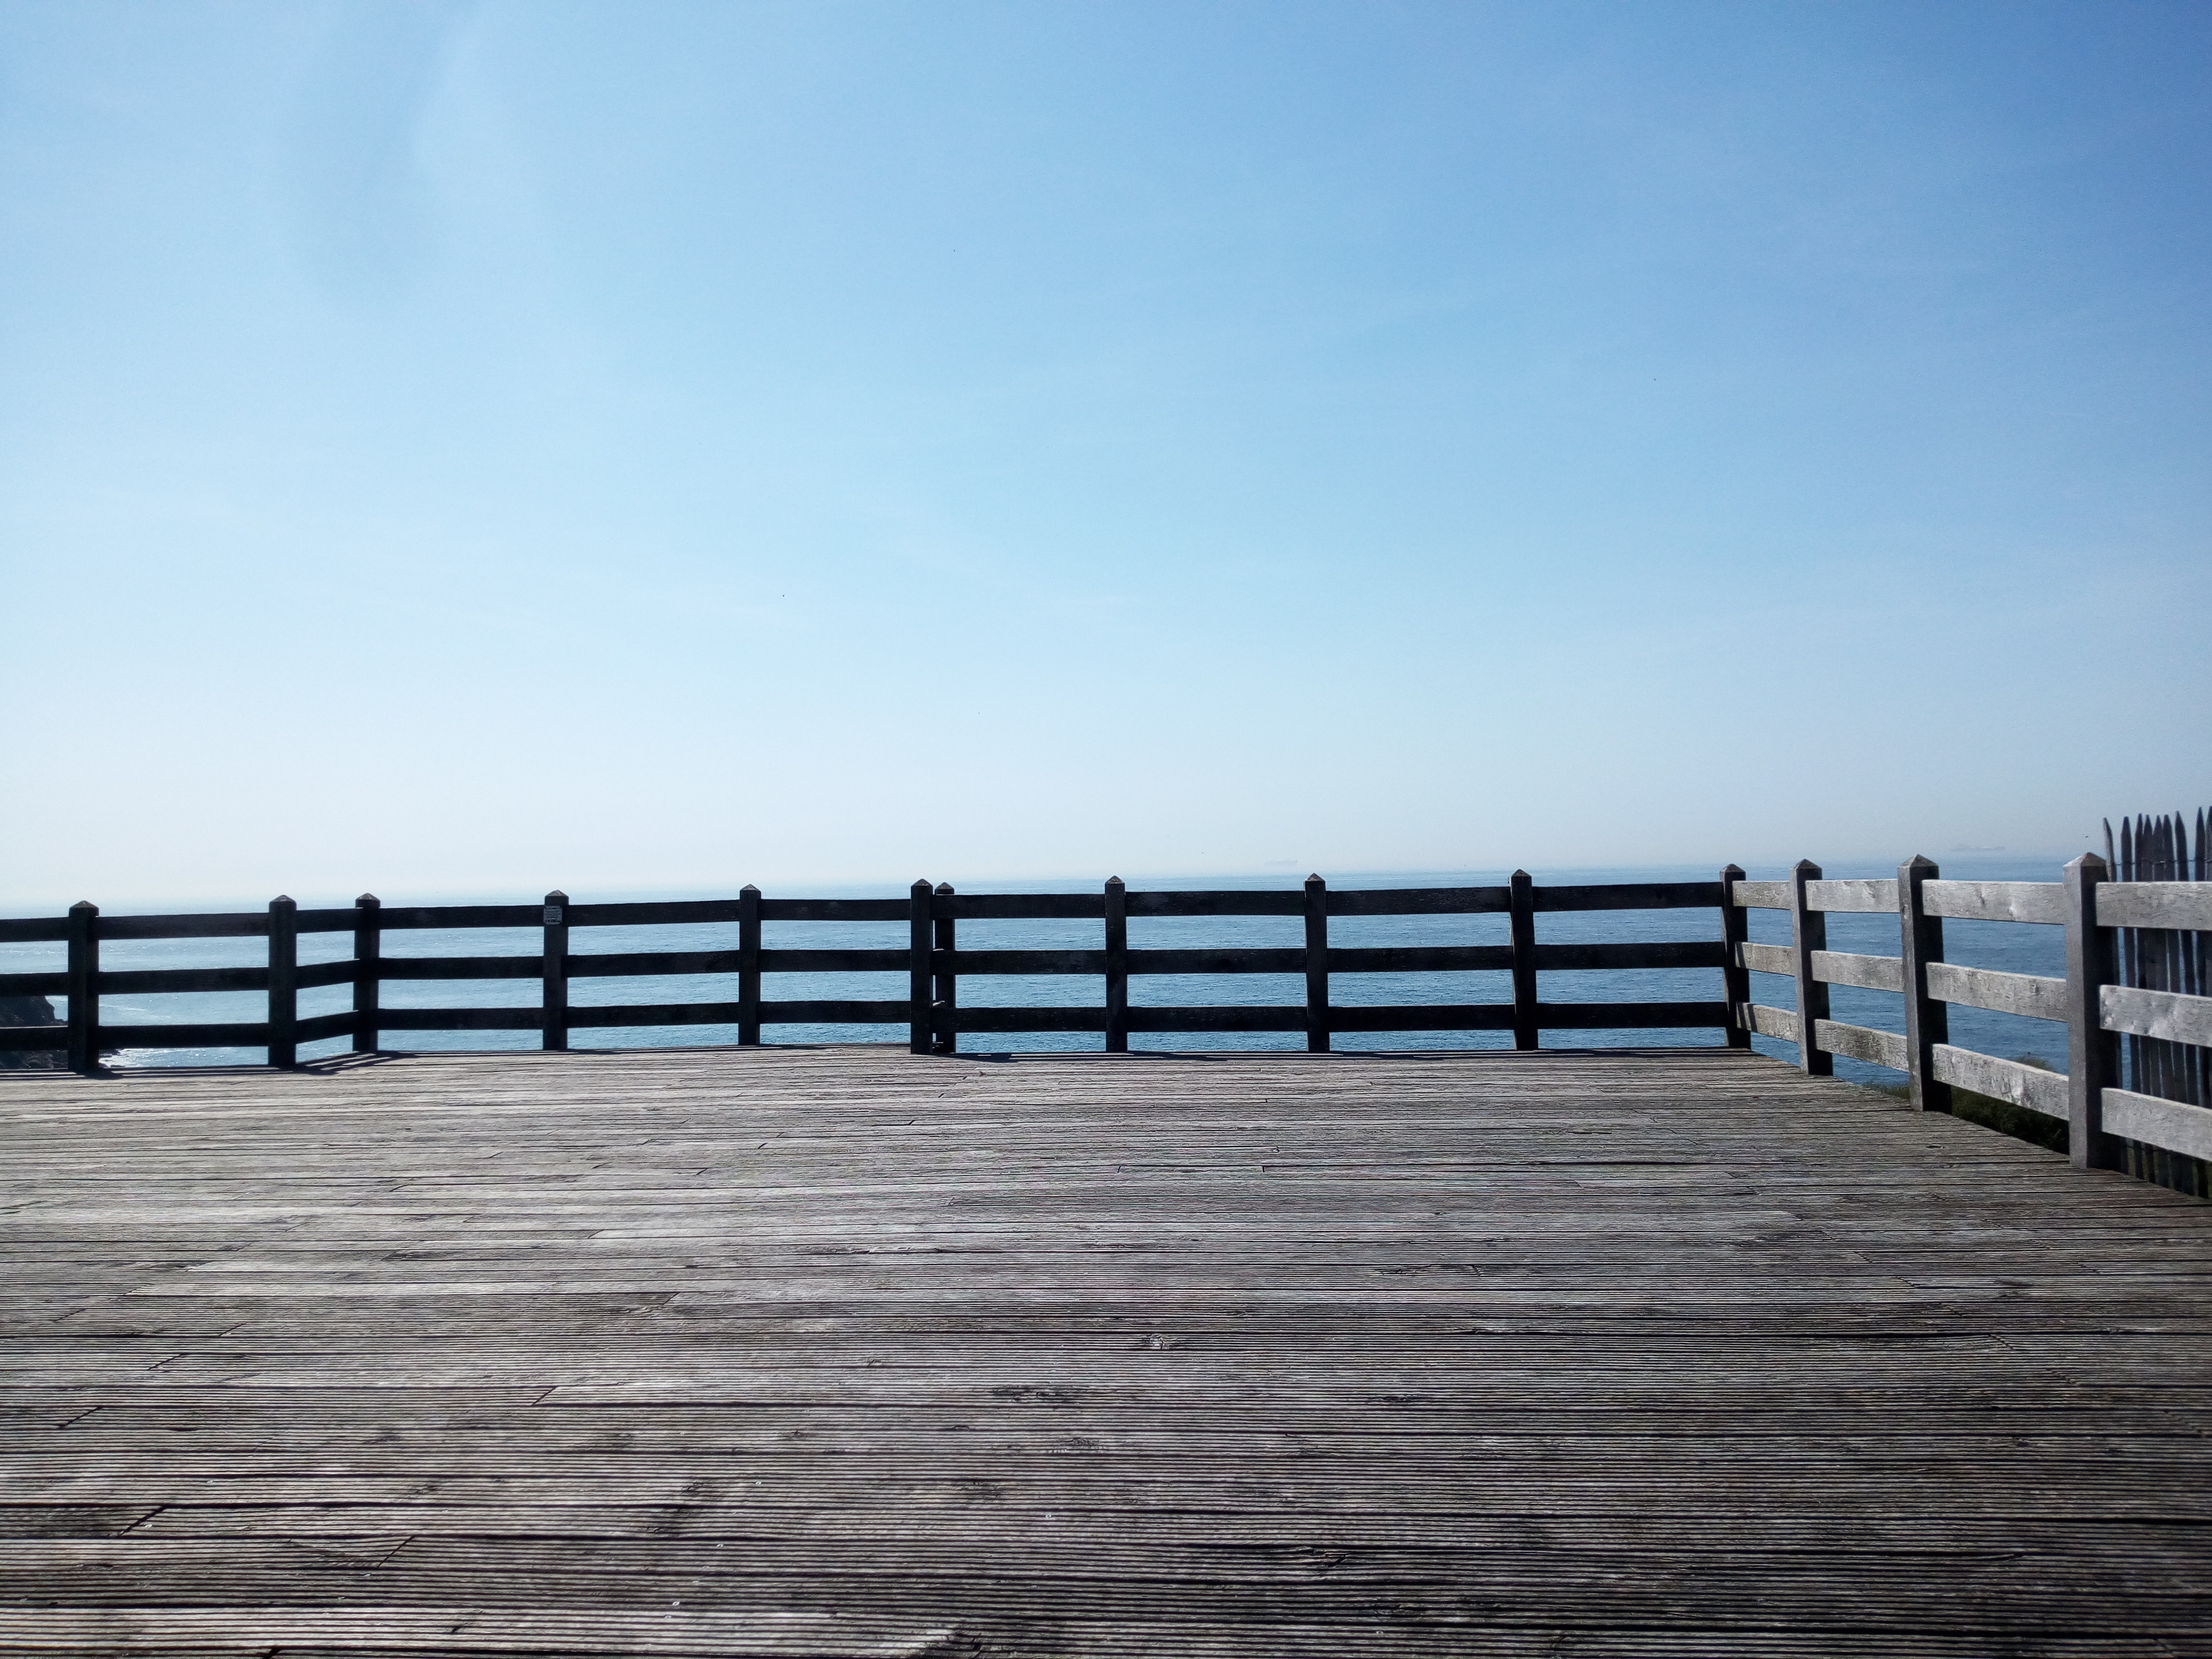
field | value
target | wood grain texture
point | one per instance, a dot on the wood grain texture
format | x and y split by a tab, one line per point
1847	968
1765	958
2032	996
1996	901
2182	904
842	1351
1878	896
1861	1042
2170	1015
2173	1125
1779	1024
2000	1080
1760	895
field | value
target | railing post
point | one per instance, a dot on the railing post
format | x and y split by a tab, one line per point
749	969
367	969
1735	978
553	961
946	1041
1927	1018
1316	965
84	988
283	982
2090	1046
1117	966
918	977
1524	960
1809	932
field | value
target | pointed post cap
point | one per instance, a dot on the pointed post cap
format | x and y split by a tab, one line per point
1919	861
921	885
368	898
557	896
748	888
82	906
945	890
283	899
2089	863
1731	872
1520	875
1808	867
1315	880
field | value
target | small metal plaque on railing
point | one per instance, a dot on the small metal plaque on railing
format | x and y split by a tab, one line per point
552	915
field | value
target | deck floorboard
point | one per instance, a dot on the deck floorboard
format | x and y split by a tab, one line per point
844	1352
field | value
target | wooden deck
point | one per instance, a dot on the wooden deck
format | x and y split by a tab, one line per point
845	1352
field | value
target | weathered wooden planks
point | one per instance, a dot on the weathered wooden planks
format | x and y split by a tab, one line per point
2169	1015
2156	903
1877	897
2158	1122
2000	1080
1996	901
845	1351
1861	1042
1847	968
2032	996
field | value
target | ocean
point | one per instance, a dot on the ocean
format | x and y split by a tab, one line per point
2019	948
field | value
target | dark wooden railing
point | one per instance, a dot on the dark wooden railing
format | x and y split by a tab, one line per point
932	961
2100	918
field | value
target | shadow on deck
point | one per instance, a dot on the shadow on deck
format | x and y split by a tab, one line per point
844	1352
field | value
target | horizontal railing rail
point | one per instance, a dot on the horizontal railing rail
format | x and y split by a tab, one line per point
2096	1012
932	963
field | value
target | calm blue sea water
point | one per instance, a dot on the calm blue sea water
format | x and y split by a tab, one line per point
2020	948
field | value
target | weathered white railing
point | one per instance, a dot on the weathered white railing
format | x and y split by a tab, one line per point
2096	1010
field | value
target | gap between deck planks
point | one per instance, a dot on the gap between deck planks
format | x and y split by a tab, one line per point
843	1351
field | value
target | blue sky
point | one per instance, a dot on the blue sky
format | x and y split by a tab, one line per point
486	448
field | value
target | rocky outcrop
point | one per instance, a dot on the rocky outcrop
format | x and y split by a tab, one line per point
29	1011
